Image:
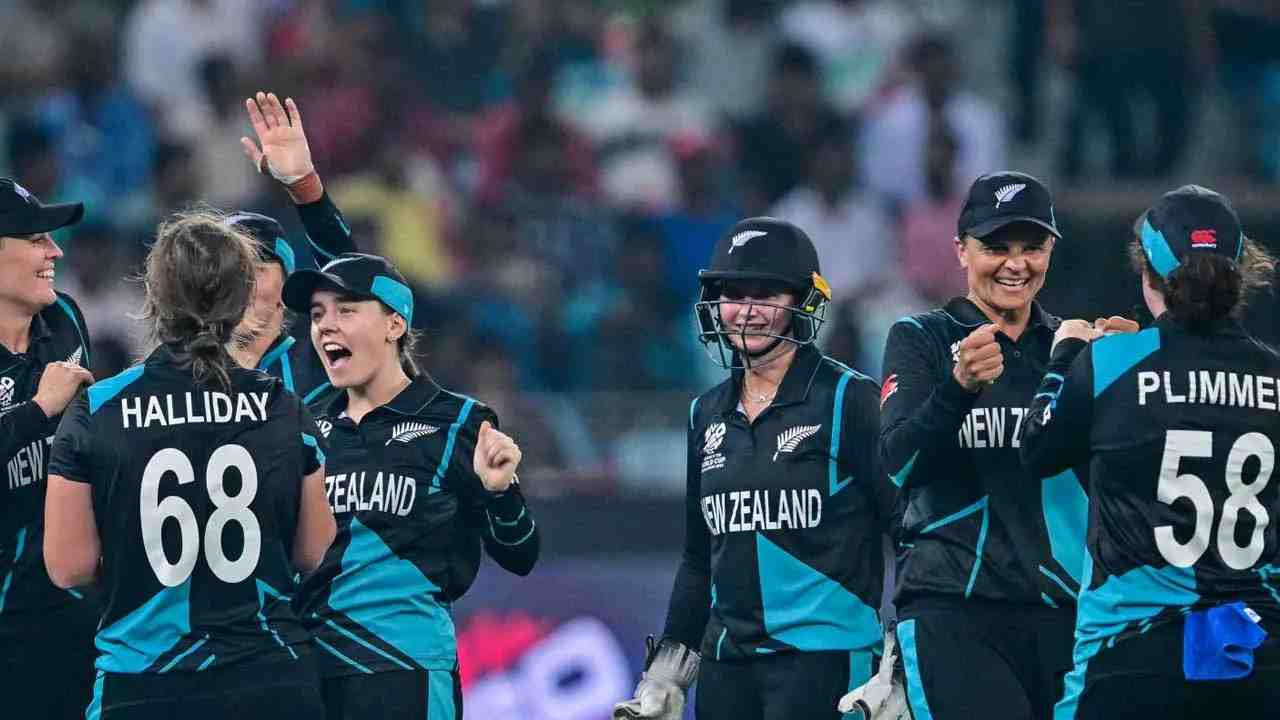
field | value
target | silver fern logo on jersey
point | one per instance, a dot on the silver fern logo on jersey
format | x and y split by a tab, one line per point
76	357
790	439
6	394
955	351
407	432
1009	192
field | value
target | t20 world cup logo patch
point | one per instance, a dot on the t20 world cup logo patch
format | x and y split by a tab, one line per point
6	394
712	459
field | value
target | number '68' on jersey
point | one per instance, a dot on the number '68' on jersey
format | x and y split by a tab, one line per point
196	495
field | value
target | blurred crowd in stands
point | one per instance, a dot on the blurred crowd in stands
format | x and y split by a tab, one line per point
551	174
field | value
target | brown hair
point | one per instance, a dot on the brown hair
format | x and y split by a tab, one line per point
199	279
407	347
1206	287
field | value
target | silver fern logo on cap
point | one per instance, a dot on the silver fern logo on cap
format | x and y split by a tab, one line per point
743	238
1008	192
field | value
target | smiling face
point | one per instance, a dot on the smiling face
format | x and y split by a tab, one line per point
753	315
1006	269
26	271
355	338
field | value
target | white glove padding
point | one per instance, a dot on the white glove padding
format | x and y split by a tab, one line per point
660	695
883	697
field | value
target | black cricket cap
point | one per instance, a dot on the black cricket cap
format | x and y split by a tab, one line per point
1004	198
1191	219
765	249
269	234
367	276
21	213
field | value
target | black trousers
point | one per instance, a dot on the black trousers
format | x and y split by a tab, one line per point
400	695
279	691
1141	677
782	686
47	670
970	659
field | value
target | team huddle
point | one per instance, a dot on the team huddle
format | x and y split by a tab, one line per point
272	519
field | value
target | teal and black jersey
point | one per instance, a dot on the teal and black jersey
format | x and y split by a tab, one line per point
784	519
291	357
971	523
196	493
412	518
1180	432
58	333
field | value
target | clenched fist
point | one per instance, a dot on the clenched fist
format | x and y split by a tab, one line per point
496	458
1115	324
1078	329
979	360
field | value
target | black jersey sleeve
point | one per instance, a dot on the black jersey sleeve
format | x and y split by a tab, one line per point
72	449
24	424
1056	433
690	605
327	231
506	525
313	445
859	456
920	415
82	327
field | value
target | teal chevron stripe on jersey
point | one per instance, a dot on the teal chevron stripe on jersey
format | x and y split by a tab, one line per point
310	441
391	598
66	308
834	485
101	392
808	610
451	441
265	591
901	476
983	506
1066	515
1114	355
911	663
17	555
440	696
133	643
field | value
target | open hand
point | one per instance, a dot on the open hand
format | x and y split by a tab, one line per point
282	148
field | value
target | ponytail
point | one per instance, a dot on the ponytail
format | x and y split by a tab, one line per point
199	279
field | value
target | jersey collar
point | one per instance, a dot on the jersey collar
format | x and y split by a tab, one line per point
38	333
278	348
966	313
795	384
411	401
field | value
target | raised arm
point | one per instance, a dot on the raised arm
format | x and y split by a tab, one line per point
282	151
920	413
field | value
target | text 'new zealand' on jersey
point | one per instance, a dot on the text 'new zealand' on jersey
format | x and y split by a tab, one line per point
971	522
196	493
783	521
1180	430
412	517
58	334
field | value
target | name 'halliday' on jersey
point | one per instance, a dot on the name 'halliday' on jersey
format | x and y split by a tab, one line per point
192	409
